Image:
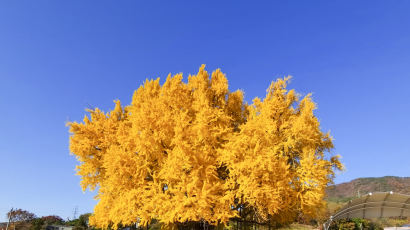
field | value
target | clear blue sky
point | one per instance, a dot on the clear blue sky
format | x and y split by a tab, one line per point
59	57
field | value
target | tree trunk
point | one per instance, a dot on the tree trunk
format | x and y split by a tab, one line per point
8	223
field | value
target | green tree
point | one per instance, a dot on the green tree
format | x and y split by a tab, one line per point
81	223
37	224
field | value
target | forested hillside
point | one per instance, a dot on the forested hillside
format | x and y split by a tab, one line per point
361	186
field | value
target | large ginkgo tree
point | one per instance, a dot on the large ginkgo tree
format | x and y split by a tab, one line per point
193	151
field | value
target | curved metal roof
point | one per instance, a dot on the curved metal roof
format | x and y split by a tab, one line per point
375	205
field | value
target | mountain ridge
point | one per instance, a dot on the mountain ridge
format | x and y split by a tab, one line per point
358	187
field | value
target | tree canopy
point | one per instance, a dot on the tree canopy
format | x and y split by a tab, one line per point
18	218
20	215
195	151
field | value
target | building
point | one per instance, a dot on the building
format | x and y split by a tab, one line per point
59	227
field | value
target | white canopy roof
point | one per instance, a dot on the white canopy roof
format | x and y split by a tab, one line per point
376	205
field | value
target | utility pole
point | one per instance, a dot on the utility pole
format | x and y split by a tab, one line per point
75	212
